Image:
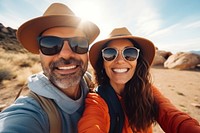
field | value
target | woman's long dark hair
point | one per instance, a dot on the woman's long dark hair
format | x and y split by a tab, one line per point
140	105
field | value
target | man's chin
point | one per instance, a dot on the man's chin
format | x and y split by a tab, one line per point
66	86
66	82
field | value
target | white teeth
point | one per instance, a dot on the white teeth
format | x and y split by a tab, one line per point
67	68
120	70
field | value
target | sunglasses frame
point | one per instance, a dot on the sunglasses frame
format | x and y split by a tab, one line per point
61	45
122	52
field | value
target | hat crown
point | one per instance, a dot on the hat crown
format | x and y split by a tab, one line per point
56	15
120	32
58	9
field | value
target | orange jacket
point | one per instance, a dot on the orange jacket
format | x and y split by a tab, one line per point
96	117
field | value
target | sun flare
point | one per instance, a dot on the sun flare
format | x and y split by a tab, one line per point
88	10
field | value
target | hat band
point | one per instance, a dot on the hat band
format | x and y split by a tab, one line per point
120	35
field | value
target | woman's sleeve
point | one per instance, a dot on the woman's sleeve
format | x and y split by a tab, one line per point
95	118
173	120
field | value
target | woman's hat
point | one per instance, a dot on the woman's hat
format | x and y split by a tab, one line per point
56	15
146	46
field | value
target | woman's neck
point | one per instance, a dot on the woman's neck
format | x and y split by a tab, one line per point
119	88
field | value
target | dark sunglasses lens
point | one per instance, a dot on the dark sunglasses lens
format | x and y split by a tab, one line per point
79	45
109	54
50	45
130	54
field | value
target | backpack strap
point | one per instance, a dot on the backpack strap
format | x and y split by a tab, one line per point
88	78
49	107
115	109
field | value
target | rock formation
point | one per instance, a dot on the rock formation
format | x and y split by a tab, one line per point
182	60
8	40
160	57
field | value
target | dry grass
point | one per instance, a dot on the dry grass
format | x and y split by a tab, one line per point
5	74
26	72
17	66
6	70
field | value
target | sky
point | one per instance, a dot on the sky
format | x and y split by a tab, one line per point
172	25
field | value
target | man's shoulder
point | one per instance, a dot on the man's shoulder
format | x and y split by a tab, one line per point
24	104
25	111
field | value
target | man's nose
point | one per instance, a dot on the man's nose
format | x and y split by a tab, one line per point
66	50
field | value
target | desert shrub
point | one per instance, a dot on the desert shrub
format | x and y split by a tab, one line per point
34	58
25	60
6	74
23	73
7	56
6	71
36	68
18	66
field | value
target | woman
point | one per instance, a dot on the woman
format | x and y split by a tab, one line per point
122	64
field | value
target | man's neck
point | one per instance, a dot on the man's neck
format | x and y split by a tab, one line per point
73	92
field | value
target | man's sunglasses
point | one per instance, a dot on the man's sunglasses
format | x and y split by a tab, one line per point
51	45
129	54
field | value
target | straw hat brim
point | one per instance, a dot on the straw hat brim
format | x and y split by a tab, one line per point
28	32
146	47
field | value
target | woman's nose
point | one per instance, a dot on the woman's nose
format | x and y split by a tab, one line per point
120	57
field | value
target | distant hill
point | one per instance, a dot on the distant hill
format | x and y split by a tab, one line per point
8	40
196	52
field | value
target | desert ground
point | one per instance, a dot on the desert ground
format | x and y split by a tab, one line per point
182	87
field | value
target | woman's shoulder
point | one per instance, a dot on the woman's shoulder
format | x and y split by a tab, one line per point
94	98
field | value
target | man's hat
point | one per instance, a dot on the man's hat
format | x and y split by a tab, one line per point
146	46
56	15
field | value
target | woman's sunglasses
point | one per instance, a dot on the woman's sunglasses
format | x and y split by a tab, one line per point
51	45
129	54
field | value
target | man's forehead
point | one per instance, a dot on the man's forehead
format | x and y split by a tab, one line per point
64	31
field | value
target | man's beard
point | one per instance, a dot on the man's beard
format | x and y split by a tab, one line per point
64	81
68	80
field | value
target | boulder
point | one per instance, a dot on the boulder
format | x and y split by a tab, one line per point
160	57
158	60
164	54
182	60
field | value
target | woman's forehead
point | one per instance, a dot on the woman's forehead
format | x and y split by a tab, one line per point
120	43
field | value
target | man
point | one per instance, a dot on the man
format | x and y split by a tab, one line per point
61	39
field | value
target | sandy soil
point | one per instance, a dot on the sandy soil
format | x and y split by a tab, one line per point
181	87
